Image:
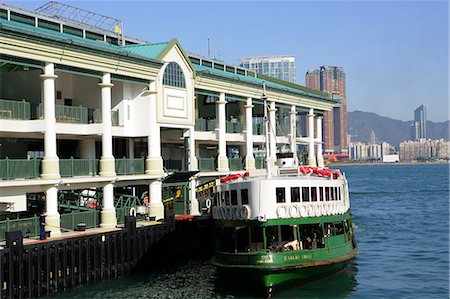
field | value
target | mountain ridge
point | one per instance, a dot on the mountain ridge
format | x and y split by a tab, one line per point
393	131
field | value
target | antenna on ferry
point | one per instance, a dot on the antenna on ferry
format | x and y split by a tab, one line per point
267	132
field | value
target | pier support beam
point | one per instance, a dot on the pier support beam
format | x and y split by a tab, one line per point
293	135
107	164
193	166
311	157
320	162
52	220
249	158
108	213
222	160
156	207
154	161
50	163
273	134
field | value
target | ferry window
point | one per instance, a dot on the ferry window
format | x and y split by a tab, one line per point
332	193
313	193
339	228
217	199
173	76
242	239
234	197
281	195
287	233
320	193
327	193
272	238
329	229
256	238
226	197
311	236
305	194
244	196
339	193
227	239
295	194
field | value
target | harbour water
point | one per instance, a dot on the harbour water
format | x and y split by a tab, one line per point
401	218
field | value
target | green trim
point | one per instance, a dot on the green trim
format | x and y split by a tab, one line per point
293	85
116	77
21	61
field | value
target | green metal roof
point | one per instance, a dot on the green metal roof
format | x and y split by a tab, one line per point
147	50
270	84
70	39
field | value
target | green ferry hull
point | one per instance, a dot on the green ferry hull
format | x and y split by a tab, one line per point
274	277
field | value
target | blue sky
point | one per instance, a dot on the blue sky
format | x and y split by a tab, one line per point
394	53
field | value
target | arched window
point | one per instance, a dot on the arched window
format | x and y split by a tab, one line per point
173	76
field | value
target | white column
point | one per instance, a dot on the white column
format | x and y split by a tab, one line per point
108	213
222	161
50	163
51	205
156	207
320	162
193	165
154	162
273	133
249	158
311	157
293	129
107	164
130	148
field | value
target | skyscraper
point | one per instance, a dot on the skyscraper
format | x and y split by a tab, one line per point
419	127
281	67
331	79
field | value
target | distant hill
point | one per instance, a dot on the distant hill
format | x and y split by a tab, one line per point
393	131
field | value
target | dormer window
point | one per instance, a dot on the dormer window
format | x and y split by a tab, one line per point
173	76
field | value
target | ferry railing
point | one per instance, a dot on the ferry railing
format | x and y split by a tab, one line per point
19	168
78	167
206	164
127	166
19	110
236	163
234	127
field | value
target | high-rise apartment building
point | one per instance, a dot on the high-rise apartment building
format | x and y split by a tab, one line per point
419	126
331	79
281	67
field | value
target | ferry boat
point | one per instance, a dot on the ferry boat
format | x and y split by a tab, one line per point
291	225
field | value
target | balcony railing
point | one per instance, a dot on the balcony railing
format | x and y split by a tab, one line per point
173	165
258	129
78	167
19	110
260	163
67	114
19	168
202	124
97	117
90	218
234	126
206	164
127	166
236	163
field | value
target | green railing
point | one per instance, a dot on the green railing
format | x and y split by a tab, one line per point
127	201
235	163
202	124
206	164
97	117
10	109
173	165
126	166
68	114
260	163
28	226
234	127
78	167
19	168
258	129
90	218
